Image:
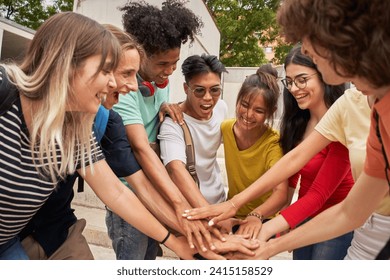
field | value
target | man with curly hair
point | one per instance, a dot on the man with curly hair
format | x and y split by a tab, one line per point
161	32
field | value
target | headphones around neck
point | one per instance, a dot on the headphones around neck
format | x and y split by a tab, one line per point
147	88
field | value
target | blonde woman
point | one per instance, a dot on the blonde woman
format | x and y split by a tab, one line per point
46	133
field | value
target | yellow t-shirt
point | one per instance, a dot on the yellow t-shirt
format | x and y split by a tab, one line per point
246	166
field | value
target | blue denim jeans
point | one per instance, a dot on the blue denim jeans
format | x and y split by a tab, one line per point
128	242
334	249
12	250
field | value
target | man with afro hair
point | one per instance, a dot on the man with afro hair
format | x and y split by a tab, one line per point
161	32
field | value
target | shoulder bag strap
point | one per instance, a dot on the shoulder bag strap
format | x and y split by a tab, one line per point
190	152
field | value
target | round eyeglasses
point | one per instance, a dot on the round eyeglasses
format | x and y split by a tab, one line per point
299	81
201	91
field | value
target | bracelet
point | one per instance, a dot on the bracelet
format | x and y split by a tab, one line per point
257	215
232	203
166	238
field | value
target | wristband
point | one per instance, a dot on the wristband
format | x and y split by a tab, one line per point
166	238
257	215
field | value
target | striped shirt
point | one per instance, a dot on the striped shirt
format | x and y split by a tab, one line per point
23	190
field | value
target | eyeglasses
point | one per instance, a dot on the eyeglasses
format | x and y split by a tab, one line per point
201	91
378	134
299	81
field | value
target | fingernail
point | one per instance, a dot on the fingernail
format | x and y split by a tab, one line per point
186	211
212	247
184	215
192	246
211	223
230	233
189	217
204	249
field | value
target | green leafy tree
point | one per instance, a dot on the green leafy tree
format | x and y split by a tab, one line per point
32	13
246	26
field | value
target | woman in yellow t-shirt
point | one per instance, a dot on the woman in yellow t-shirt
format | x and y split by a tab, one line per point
252	147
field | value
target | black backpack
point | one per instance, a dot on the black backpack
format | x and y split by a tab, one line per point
8	92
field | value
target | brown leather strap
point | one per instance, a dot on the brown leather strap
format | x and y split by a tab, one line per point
190	152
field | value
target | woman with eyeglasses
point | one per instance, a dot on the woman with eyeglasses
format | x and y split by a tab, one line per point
252	147
326	179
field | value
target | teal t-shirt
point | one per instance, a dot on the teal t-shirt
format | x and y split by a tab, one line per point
134	108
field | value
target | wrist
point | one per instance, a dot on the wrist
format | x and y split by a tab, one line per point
165	238
257	215
271	248
179	204
173	243
237	201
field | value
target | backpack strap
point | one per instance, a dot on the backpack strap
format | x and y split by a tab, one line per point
190	153
100	123
99	127
8	92
190	150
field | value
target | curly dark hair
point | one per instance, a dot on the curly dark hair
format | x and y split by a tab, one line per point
294	120
159	30
354	32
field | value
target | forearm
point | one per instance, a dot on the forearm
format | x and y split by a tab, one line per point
287	166
337	220
157	174
272	227
122	201
313	231
186	184
274	203
153	200
140	218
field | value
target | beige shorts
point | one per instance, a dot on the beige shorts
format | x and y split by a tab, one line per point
75	247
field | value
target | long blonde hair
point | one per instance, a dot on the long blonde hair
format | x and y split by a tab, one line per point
58	50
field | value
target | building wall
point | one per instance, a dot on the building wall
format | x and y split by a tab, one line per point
106	11
14	39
